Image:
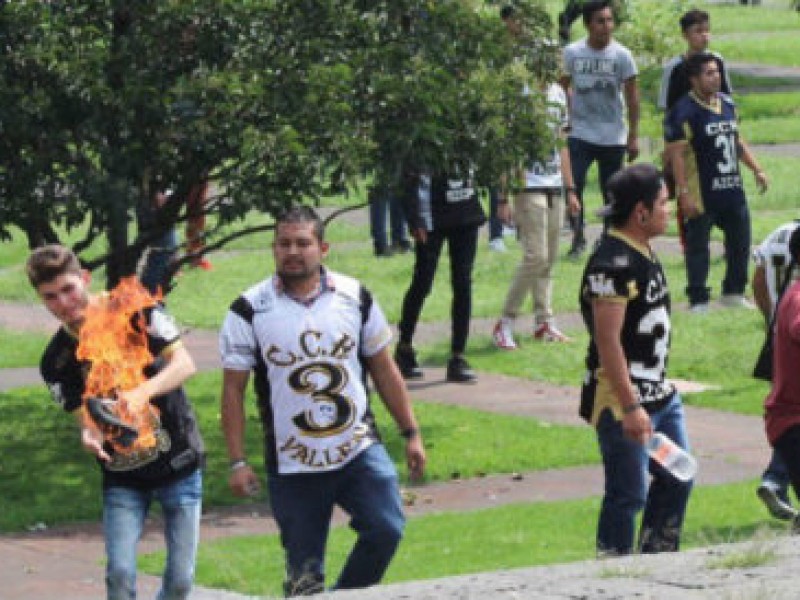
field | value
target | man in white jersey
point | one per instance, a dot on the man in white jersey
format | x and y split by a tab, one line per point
774	268
309	336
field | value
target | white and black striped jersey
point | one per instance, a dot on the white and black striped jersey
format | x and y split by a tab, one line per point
774	256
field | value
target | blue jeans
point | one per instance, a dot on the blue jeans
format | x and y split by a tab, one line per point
377	221
581	155
368	490
626	466
124	512
734	221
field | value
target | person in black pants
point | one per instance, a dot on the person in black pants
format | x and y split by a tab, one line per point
439	209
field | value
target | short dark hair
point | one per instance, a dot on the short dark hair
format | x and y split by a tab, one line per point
593	6
302	214
693	17
696	62
507	12
627	187
48	262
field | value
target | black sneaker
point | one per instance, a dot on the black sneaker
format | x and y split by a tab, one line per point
576	251
406	360
776	501
459	371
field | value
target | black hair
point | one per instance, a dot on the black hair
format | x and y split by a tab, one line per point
696	62
302	214
694	17
593	6
507	12
627	187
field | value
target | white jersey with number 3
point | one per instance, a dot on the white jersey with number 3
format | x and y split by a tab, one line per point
309	375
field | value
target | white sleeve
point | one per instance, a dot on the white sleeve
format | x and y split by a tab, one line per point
237	343
629	68
661	103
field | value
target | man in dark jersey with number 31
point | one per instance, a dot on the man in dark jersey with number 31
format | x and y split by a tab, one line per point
705	147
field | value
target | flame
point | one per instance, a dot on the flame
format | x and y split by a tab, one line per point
118	354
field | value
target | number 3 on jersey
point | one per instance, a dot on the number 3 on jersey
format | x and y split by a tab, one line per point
655	324
331	412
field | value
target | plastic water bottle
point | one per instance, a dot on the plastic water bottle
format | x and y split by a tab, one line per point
672	457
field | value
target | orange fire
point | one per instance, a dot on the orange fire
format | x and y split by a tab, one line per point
118	353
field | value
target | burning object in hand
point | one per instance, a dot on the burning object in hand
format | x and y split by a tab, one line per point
102	411
113	339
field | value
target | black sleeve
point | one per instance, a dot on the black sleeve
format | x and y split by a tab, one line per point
409	197
62	372
724	87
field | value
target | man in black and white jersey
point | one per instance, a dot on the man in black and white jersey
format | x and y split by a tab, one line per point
775	268
309	335
625	304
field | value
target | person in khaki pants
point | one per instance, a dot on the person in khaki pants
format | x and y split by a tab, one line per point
538	214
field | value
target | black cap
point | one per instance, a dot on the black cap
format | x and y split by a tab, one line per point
628	186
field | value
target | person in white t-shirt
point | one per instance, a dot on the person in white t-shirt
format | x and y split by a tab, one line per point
538	214
600	80
310	336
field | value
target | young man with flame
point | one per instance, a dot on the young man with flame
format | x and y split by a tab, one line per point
310	336
117	362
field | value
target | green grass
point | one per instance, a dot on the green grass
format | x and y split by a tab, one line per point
732	18
778	48
456	543
20	349
36	436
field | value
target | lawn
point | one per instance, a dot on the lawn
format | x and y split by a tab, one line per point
718	348
36	436
485	540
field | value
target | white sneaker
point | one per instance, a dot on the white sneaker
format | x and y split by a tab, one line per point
548	332
699	309
736	301
503	336
497	245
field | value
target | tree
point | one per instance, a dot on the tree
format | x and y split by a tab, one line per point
105	102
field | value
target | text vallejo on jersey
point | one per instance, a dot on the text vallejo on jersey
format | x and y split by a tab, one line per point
321	458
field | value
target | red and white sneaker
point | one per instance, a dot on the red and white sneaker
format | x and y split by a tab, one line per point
503	336
547	332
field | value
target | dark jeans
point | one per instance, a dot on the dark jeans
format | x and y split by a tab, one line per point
633	482
734	221
788	447
368	490
581	155
495	224
377	222
462	243
777	473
